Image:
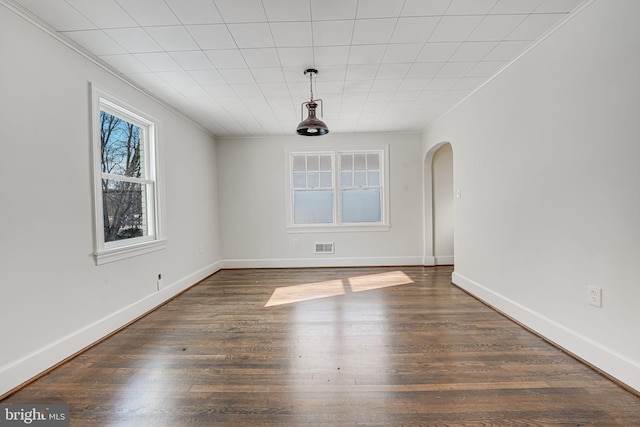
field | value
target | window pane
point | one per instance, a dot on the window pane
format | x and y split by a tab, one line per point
325	179
313	163
325	163
346	179
120	146
359	161
361	205
373	178
373	161
346	162
313	180
299	180
299	164
359	179
313	207
124	210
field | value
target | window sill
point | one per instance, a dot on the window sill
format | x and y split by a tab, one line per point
124	252
351	228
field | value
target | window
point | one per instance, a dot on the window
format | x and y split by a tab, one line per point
339	189
127	214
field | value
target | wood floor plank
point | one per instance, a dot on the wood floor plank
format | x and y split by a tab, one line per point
329	347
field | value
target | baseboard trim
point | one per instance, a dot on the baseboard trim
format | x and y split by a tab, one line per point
17	373
612	364
321	261
443	260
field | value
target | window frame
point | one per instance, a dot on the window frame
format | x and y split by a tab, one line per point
155	239
338	225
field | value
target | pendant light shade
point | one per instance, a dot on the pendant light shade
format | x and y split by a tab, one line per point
311	126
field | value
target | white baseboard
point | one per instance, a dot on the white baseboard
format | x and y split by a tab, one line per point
428	261
321	261
617	366
22	370
443	260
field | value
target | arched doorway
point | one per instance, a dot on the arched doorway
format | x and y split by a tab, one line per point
438	180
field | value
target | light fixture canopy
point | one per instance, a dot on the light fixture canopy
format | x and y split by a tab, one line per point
311	126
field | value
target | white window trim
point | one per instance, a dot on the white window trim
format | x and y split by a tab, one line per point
337	226
105	252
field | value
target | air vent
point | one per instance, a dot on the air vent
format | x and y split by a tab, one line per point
324	248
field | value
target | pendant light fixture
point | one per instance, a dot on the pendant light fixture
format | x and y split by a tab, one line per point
311	126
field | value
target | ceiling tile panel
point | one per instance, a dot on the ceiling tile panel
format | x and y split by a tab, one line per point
392	71
402	53
473	51
332	33
213	36
226	58
291	34
234	11
261	58
414	29
134	40
268	75
251	35
287	10
424	69
237	75
177	78
324	10
425	8
105	14
192	60
194	11
207	77
158	61
470	7
437	52
150	12
373	31
454	28
496	27
378	8
331	55
366	54
456	69
296	56
516	6
173	38
125	63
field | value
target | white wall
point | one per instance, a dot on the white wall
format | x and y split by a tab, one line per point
55	300
442	187
546	157
252	203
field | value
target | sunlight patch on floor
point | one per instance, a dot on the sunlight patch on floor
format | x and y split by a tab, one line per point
332	288
377	281
307	291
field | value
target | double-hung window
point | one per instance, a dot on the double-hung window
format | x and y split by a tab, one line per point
340	189
126	201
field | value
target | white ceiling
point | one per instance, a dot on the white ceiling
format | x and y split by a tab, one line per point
236	66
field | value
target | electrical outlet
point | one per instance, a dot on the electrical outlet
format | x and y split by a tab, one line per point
595	296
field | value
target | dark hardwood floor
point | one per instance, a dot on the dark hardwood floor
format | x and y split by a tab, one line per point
329	347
